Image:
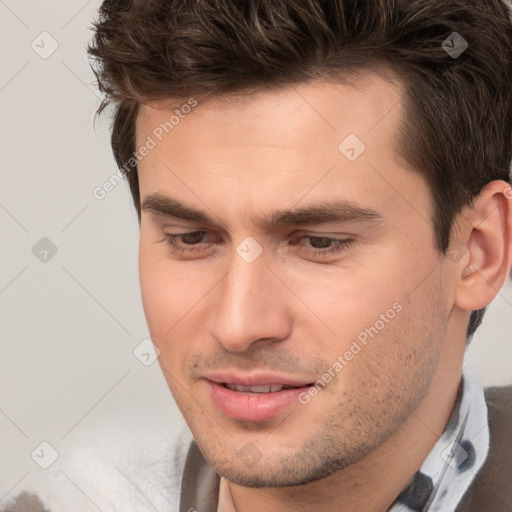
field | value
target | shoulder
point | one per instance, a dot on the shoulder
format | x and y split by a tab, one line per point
499	401
25	502
200	483
141	477
491	489
499	414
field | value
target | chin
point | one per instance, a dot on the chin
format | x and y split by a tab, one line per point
274	469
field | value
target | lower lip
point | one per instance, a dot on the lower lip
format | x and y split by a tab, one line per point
255	406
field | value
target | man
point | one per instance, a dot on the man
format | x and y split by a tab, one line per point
325	212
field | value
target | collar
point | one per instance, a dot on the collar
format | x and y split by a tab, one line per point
454	460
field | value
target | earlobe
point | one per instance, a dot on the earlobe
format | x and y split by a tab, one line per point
487	257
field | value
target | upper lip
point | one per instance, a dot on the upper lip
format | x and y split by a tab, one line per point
255	379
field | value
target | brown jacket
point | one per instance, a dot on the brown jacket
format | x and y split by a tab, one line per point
490	491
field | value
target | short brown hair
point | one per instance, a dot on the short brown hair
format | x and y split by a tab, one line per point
458	127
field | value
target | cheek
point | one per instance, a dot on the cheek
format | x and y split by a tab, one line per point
387	311
152	287
174	298
163	293
163	301
348	301
166	299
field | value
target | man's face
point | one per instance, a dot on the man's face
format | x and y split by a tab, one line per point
358	304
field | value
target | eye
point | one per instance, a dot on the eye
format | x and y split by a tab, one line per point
319	246
323	245
190	239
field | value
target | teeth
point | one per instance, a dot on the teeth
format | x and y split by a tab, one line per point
269	388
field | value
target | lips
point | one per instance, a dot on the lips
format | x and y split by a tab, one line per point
268	388
255	397
256	379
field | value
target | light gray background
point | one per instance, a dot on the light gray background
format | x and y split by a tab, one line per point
69	326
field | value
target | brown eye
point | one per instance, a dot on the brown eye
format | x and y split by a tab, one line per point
323	242
192	238
321	246
190	242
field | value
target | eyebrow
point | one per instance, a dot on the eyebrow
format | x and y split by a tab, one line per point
334	211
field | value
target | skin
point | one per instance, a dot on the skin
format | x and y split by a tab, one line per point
293	311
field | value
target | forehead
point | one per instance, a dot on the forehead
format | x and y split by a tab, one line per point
358	102
280	146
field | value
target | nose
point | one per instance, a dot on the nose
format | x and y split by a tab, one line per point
252	305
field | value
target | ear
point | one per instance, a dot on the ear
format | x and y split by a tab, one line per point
483	247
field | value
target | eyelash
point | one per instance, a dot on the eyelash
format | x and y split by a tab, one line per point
341	245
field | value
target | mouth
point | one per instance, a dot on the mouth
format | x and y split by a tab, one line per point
256	390
252	399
